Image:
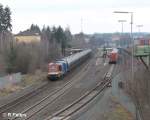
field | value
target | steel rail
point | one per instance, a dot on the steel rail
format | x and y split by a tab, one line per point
22	98
53	95
79	102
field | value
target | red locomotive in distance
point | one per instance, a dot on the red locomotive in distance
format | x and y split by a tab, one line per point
113	56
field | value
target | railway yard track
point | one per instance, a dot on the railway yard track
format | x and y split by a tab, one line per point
40	105
64	97
67	98
10	107
38	94
22	98
67	112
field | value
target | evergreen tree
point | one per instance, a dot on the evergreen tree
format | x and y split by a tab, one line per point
11	60
48	34
5	19
68	37
61	38
35	29
53	36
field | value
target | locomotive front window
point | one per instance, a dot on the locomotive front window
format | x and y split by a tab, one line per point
60	68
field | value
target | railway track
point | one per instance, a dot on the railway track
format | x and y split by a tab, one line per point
51	104
7	108
40	105
71	109
50	99
23	98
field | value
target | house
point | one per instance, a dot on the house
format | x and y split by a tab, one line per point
28	37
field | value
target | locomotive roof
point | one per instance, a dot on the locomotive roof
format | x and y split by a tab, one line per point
115	50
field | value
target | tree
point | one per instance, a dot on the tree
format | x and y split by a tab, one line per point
35	29
5	26
11	60
68	37
5	19
48	34
53	36
61	38
1	17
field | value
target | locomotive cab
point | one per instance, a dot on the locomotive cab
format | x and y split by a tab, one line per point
113	56
54	71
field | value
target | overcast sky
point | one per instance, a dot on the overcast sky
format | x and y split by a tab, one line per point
97	15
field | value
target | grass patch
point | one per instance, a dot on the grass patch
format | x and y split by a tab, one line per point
118	112
30	79
27	80
9	89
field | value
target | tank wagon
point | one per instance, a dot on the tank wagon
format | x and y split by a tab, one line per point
61	67
113	56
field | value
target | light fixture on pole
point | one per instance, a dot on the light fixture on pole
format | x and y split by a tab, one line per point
131	34
81	25
139	26
121	21
139	31
132	41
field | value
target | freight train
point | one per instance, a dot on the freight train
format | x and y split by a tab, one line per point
61	67
113	56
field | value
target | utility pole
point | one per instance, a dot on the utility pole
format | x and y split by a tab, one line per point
81	25
132	57
121	21
132	40
139	26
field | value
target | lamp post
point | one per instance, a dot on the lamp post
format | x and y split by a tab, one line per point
131	33
132	40
121	21
139	32
132	45
139	26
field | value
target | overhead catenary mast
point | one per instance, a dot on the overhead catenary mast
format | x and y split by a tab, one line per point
81	25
